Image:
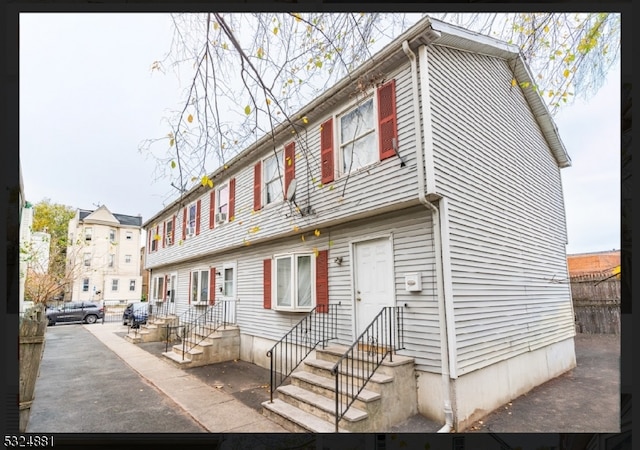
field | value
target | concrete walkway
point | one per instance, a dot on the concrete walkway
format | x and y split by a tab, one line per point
201	401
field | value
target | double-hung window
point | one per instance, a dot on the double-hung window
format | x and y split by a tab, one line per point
273	171
112	260
229	280
192	215
199	286
88	234
294	281
112	235
114	284
132	285
157	288
87	259
357	137
222	208
85	285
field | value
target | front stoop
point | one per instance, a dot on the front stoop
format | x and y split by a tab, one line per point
154	331
307	404
213	347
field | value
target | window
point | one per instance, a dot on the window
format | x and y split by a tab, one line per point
357	137
88	234
191	219
365	133
127	258
132	285
114	284
199	286
87	259
222	205
128	235
293	282
273	170
168	231
112	259
157	288
112	235
229	280
85	285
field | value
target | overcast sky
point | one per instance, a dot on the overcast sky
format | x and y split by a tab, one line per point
88	98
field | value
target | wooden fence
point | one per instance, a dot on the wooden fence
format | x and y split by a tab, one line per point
33	324
596	303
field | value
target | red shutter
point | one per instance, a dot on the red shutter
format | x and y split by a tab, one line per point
267	284
184	223
163	233
326	151
189	290
212	208
232	198
166	280
212	286
387	119
149	241
322	281
198	208
257	187
289	165
173	231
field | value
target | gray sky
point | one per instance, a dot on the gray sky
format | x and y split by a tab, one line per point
88	98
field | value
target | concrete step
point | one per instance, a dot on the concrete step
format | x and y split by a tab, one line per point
296	420
317	404
326	387
325	367
177	359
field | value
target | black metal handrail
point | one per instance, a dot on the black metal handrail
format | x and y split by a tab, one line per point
213	318
382	337
318	327
160	309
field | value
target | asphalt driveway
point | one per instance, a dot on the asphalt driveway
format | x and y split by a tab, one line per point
85	387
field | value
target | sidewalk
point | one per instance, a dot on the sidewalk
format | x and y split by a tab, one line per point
200	400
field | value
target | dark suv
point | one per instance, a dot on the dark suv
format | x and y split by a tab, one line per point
135	314
84	312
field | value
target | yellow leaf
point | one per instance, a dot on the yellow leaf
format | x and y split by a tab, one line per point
317	233
224	46
247	110
260	53
190	118
315	251
275	30
330	243
289	161
296	228
513	82
302	237
305	119
566	73
171	142
297	17
268	101
173	164
215	25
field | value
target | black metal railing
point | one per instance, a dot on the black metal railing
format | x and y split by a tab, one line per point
214	317
318	327
382	337
159	310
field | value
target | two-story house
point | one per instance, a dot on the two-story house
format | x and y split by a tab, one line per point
103	256
426	185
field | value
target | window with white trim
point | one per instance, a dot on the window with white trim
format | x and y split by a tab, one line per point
128	235
229	280
293	282
88	234
112	259
222	204
87	259
357	137
157	288
112	235
192	216
85	285
132	285
127	258
199	286
273	172
168	232
114	284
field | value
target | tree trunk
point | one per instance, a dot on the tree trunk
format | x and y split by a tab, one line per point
32	328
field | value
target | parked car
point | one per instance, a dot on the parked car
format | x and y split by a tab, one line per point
84	312
135	314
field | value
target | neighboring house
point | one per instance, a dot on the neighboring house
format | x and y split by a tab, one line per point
428	181
40	251
104	256
593	263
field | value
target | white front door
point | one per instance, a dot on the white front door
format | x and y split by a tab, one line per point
374	281
172	288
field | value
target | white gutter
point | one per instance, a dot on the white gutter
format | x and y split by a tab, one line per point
422	150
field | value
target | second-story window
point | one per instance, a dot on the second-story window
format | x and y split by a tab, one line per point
132	285
127	258
85	285
88	234
128	235
112	260
357	137
114	284
87	259
222	204
273	171
112	235
168	228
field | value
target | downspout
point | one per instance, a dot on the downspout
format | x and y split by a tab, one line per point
437	233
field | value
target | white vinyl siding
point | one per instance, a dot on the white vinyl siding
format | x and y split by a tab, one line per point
506	214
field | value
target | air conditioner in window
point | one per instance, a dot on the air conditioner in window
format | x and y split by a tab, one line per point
168	240
191	231
221	217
